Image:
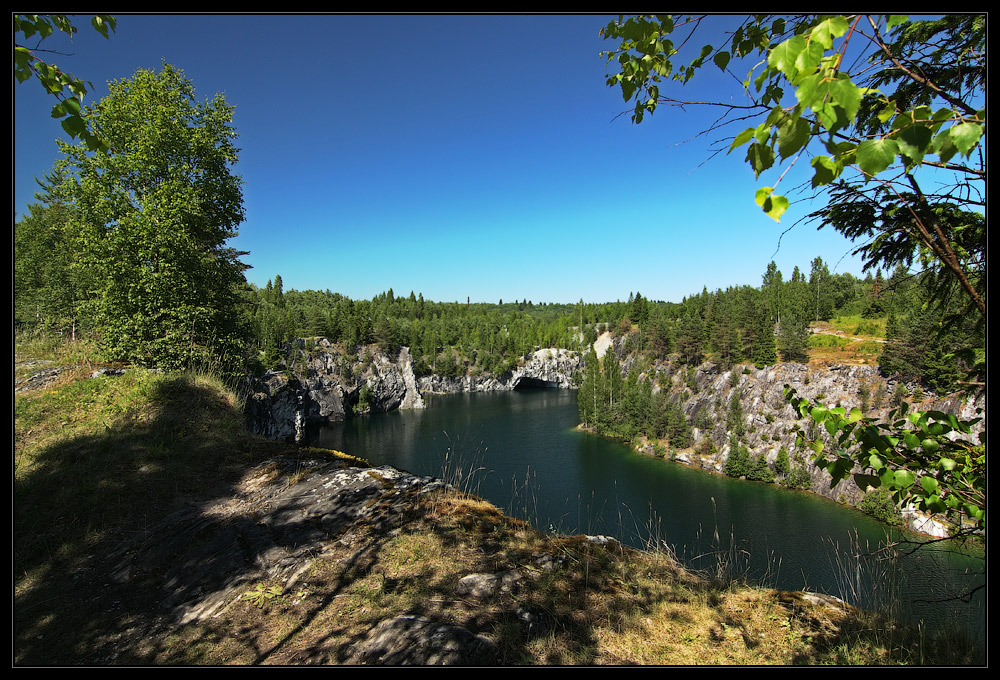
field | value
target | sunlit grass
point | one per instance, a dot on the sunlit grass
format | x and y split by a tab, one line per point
859	326
847	340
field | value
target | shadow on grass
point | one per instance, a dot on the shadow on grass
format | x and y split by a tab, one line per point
85	495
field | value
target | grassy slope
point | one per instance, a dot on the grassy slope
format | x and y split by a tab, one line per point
98	460
847	340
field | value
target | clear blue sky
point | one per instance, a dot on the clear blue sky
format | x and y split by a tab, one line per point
454	156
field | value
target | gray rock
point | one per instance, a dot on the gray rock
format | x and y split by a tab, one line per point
551	367
200	559
482	586
319	384
416	641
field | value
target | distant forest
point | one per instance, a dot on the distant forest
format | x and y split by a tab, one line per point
761	325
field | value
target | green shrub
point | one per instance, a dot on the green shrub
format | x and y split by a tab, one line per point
781	464
798	478
738	462
878	503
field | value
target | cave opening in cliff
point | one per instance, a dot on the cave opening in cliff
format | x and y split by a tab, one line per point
526	383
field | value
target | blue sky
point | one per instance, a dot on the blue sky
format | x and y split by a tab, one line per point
454	156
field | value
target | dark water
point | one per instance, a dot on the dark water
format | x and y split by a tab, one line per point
520	451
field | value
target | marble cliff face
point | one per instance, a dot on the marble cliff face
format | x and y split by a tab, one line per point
318	383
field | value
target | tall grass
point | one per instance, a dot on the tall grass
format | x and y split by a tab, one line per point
462	468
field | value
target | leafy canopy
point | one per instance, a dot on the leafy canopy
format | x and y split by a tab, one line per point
870	101
66	87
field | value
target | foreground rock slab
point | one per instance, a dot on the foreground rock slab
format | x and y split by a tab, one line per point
199	560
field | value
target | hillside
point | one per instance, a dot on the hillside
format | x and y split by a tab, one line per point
151	528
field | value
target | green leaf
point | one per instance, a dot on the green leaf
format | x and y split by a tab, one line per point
929	484
914	141
760	157
864	481
809	59
775	206
819	414
792	136
772	205
721	60
71	105
903	479
98	23
44	28
785	54
628	89
876	155
965	136
825	31
840	469
944	146
74	125
888	112
895	20
825	170
22	57
930	445
817	93
934	504
742	138
876	461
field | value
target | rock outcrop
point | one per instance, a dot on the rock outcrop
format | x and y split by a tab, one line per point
766	419
552	367
317	383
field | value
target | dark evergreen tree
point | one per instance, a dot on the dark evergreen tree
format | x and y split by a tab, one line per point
764	350
793	339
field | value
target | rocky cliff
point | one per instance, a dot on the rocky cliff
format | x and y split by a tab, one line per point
545	368
316	382
766	419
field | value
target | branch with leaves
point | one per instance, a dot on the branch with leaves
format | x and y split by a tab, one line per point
66	87
926	458
915	100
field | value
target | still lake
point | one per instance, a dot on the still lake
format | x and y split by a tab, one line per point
520	450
